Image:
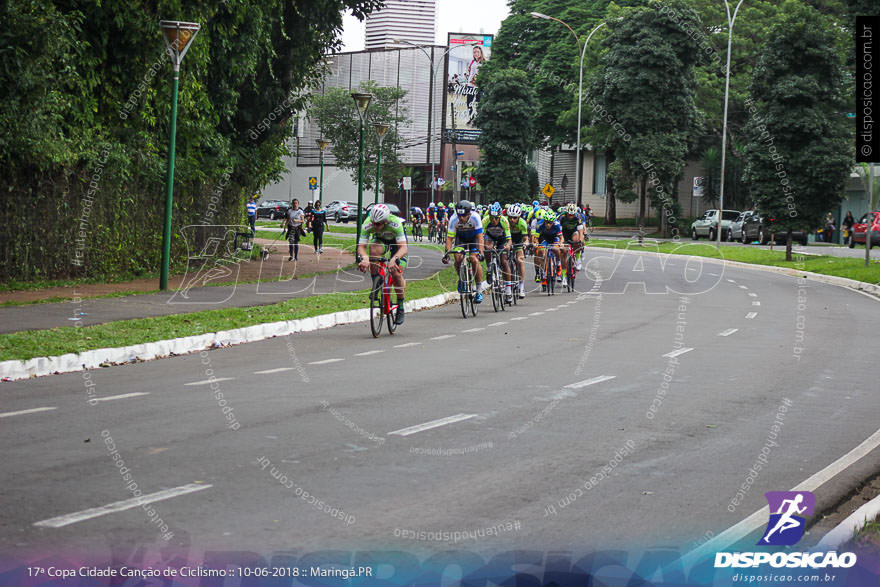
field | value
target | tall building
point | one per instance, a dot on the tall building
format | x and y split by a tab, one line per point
407	20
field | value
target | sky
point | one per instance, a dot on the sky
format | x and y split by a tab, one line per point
457	16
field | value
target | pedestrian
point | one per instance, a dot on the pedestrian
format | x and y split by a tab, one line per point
847	223
252	213
829	227
319	220
294	226
308	214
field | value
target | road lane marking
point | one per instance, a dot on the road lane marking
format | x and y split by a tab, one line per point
587	382
714	275
756	303
473	329
759	519
498	324
731	281
325	361
536	313
30	411
520	318
433	424
364	354
443	337
752	294
406	344
122	396
119	506
550	310
207	381
270	371
728	332
674	354
743	287
751	315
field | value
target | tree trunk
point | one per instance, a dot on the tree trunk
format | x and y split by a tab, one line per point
610	209
643	196
788	239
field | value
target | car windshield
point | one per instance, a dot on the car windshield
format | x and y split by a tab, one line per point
730	215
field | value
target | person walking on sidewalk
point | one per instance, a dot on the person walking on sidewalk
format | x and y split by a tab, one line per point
294	226
252	213
319	220
847	223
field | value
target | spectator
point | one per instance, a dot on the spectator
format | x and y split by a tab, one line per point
829	227
308	214
848	222
294	226
319	220
252	213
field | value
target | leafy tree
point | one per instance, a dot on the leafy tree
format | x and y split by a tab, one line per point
645	94
335	113
505	116
799	152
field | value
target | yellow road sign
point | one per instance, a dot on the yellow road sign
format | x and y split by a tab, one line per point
548	190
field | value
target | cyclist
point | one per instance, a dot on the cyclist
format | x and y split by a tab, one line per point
382	230
519	234
466	228
536	205
441	217
496	229
417	217
573	232
546	236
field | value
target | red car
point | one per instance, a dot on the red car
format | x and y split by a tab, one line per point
859	227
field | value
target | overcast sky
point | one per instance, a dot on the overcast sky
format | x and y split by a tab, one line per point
456	16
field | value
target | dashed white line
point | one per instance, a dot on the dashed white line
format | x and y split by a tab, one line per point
406	344
122	396
30	411
751	315
674	354
433	424
498	324
714	275
473	329
756	303
366	353
731	281
752	294
520	318
592	381
536	313
207	381
443	337
119	506
743	287
551	309
325	361
270	371
728	332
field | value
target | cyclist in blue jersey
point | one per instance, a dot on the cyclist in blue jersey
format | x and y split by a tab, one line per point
466	229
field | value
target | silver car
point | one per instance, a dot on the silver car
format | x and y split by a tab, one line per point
707	224
736	227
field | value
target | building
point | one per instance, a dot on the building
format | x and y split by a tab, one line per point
408	20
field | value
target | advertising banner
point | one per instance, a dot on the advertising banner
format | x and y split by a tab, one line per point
467	53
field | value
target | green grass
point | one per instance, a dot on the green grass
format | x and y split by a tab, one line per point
70	339
849	268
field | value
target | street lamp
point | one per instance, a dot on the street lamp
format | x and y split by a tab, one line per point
361	102
178	37
381	130
583	52
322	144
730	23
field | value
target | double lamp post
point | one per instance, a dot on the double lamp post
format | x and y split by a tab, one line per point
362	104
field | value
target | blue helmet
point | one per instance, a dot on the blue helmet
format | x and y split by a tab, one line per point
495	209
535	203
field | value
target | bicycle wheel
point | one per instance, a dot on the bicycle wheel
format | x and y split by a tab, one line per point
514	276
464	279
492	271
572	273
376	316
551	273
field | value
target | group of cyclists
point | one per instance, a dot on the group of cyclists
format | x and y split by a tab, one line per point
475	231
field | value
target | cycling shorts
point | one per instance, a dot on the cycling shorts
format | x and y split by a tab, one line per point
391	248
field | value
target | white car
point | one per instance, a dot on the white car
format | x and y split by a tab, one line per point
707	224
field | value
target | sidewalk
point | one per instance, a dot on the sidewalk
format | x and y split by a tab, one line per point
195	296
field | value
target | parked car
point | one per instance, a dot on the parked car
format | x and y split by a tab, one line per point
394	210
272	209
735	232
342	211
860	227
333	207
758	228
707	224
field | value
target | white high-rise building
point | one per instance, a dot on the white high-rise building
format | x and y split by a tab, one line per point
407	20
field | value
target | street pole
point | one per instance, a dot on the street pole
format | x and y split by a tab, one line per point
362	102
178	37
730	23
870	217
381	130
322	144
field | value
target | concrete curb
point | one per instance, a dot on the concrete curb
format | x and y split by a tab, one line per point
845	530
17	369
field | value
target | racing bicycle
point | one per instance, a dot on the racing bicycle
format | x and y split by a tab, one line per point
467	287
381	307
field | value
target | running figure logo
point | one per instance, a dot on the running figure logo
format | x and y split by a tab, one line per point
788	511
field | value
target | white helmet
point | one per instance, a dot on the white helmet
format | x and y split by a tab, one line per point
571	208
515	211
380	213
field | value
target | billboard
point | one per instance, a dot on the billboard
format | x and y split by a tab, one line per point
466	54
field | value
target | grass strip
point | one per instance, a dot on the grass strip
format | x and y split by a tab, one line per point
850	268
71	339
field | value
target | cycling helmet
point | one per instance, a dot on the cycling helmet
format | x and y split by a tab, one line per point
495	209
550	216
380	213
464	208
571	208
515	211
431	205
440	204
535	203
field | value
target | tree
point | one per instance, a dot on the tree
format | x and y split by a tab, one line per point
799	151
335	114
505	116
643	100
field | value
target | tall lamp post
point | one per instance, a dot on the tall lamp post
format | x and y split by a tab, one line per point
178	37
730	23
322	144
583	52
381	131
361	102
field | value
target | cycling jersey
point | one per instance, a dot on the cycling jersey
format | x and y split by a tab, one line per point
465	230
569	224
519	229
391	233
499	233
417	214
548	232
430	213
441	214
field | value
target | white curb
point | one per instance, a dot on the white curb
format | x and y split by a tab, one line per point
847	528
38	367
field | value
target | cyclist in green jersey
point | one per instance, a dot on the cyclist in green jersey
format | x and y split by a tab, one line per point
496	232
383	230
519	236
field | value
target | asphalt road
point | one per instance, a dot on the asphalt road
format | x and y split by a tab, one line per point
673	387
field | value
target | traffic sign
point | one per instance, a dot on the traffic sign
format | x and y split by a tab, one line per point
313	183
472	181
548	190
407	183
440	181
